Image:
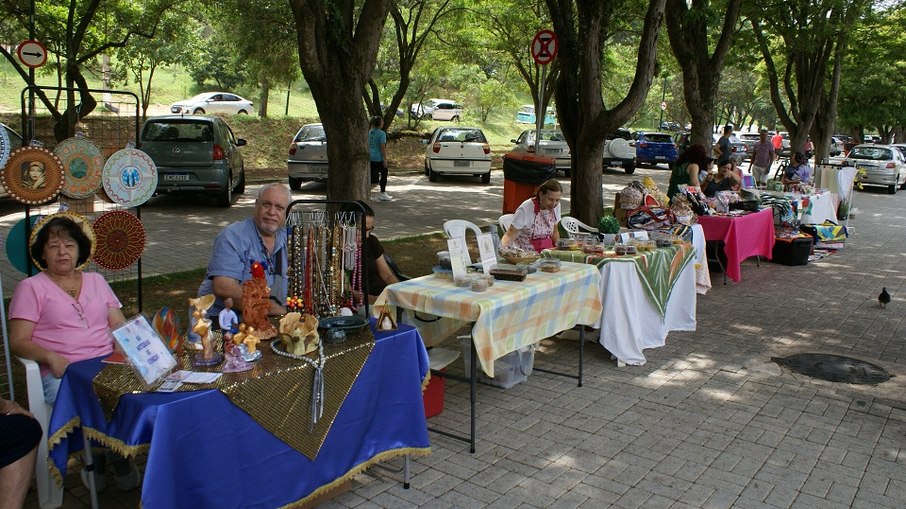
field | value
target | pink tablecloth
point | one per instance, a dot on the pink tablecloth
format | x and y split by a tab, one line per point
743	236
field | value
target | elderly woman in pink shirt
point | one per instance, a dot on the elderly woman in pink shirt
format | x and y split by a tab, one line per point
62	314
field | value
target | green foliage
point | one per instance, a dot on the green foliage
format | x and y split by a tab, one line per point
609	224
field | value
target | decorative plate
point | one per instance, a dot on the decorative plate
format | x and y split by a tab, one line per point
33	175
83	164
16	242
80	220
120	240
5	147
342	322
129	177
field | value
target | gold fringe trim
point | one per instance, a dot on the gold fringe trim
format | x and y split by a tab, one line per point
414	452
426	381
61	433
117	446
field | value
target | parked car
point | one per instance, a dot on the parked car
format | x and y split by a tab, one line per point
670	126
750	139
883	165
619	151
836	146
552	145
871	138
737	146
307	159
213	102
458	151
654	148
526	115
437	109
785	147
195	155
10	140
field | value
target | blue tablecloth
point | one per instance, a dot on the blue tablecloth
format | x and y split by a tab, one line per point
203	451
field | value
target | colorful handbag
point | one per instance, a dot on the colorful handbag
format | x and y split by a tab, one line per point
649	218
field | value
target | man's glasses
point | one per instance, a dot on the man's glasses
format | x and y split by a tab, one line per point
81	312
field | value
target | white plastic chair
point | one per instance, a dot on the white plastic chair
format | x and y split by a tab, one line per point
49	494
505	221
456	229
574	227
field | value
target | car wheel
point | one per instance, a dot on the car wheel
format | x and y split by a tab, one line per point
240	187
567	173
225	199
629	169
427	171
198	111
486	178
295	184
242	112
432	175
903	185
455	118
892	189
670	166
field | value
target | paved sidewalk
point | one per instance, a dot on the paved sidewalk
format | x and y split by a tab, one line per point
709	421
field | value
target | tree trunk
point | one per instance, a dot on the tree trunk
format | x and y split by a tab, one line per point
263	98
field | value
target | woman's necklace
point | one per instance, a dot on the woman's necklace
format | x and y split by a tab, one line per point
71	289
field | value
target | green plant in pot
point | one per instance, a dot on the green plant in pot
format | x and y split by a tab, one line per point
608	227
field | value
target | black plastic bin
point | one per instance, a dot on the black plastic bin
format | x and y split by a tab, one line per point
528	170
792	251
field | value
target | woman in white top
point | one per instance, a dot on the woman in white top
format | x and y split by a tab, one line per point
535	222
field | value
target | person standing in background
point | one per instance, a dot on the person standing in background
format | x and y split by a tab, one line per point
377	153
763	155
777	141
722	147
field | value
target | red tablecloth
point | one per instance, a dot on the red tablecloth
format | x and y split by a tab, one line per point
743	236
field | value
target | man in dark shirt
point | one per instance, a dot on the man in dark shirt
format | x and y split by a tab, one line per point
722	147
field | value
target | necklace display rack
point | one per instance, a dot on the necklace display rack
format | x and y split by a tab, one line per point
326	269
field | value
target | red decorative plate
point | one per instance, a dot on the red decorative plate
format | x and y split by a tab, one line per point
33	175
120	240
83	164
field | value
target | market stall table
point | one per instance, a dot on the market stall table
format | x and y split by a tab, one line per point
743	236
815	208
506	317
644	298
204	451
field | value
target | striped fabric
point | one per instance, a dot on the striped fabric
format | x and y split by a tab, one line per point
658	270
510	314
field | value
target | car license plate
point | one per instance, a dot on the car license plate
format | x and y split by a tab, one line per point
176	177
660	157
462	164
552	151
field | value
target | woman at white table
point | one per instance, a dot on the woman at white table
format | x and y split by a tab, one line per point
724	180
797	172
534	226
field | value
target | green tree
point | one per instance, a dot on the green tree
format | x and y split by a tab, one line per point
584	28
690	27
77	32
803	44
338	43
177	36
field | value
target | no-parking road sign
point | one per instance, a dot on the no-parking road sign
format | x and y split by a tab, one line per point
32	53
544	47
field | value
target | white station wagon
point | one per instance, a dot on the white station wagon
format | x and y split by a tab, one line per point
458	151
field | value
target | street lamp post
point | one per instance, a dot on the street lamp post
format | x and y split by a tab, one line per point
663	100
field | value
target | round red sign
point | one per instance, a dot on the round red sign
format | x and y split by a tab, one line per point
544	47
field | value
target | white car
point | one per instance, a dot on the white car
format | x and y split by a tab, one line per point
458	151
307	159
883	165
437	109
213	102
552	145
836	146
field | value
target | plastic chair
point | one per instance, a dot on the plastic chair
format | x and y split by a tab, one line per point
574	227
505	221
49	494
456	228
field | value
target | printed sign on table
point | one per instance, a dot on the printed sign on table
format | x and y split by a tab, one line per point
487	252
144	350
459	256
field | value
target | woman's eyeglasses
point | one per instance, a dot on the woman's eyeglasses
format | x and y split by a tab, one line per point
81	312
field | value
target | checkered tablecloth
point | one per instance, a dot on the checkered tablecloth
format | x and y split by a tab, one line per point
509	315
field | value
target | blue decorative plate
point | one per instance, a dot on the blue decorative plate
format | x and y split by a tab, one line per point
342	323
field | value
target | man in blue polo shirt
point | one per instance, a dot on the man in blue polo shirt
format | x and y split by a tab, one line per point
260	238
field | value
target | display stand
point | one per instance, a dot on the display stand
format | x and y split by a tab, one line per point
330	215
114	124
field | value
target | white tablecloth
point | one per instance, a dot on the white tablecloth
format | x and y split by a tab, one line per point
630	323
702	275
822	207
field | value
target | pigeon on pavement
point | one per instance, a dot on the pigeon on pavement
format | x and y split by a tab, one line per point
884	298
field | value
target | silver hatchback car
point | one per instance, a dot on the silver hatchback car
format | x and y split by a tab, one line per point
552	145
307	159
883	165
